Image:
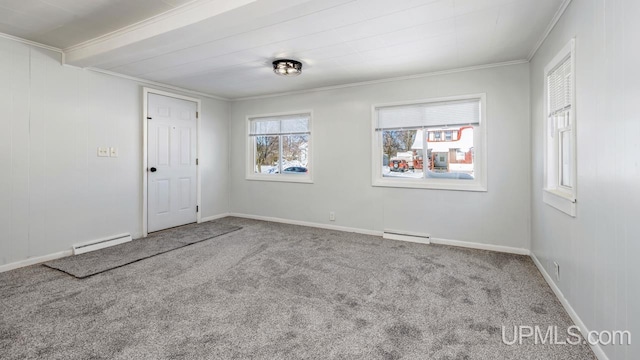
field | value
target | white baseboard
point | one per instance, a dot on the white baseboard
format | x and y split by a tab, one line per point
35	260
214	217
479	246
597	349
309	224
466	244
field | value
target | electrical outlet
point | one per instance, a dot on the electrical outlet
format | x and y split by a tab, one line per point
332	216
113	151
557	267
103	152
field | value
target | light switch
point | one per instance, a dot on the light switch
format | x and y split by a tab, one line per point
113	151
103	151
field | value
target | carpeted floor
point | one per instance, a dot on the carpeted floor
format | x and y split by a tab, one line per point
275	291
99	261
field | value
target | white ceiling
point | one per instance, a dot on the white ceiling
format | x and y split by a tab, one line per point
62	23
225	47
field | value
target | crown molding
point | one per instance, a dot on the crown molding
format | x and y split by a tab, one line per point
552	24
211	96
386	80
31	43
153	83
110	73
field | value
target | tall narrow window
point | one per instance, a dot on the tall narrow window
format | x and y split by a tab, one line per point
279	147
437	144
560	147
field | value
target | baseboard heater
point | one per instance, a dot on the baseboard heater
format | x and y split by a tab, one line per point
407	236
100	243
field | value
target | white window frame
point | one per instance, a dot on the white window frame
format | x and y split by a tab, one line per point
554	193
479	183
250	152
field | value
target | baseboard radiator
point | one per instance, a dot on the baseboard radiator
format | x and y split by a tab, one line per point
100	243
406	236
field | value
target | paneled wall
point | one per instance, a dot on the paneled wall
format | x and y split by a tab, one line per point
342	162
54	189
597	250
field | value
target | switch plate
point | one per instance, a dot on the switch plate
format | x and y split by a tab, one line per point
113	151
103	151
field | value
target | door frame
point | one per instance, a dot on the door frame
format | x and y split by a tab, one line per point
145	100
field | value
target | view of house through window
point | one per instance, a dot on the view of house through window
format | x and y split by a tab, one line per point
405	153
280	144
429	140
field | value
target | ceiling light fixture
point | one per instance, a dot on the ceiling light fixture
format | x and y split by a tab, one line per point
286	67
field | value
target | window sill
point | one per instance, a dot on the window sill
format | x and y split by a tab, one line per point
453	185
560	201
281	178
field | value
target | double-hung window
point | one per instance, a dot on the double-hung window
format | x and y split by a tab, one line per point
560	132
279	147
436	144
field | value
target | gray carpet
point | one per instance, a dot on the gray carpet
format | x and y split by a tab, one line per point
275	291
99	261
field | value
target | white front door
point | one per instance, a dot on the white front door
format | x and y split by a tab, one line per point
171	159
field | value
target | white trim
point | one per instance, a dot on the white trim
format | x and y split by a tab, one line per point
289	178
145	97
35	260
324	88
150	82
293	178
465	244
552	24
214	217
173	19
553	194
382	81
429	184
31	43
480	139
307	223
480	246
560	202
597	349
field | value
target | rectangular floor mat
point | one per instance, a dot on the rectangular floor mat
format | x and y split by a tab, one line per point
95	262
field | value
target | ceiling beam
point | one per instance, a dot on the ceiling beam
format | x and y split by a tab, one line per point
83	54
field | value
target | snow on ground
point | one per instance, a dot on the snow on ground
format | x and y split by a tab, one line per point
411	174
273	169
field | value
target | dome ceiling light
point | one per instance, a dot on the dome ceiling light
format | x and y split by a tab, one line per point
287	67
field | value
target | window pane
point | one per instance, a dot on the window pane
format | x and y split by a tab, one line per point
447	135
295	152
402	153
451	159
267	152
565	159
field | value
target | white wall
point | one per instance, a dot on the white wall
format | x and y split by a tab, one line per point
342	162
597	251
54	190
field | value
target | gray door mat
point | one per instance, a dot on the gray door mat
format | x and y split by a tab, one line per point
99	261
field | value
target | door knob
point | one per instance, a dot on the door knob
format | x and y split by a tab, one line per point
153	169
